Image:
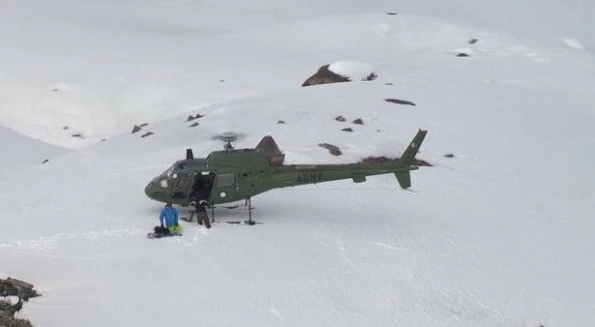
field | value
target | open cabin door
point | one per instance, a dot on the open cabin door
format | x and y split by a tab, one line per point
202	186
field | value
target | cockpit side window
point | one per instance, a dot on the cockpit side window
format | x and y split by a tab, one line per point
184	182
225	179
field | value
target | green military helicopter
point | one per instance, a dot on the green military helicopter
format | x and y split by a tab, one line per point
233	175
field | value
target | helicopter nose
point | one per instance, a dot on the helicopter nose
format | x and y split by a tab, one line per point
154	192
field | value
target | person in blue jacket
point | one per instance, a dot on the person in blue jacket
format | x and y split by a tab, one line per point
169	221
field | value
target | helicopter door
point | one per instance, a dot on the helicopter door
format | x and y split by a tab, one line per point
225	187
182	186
202	185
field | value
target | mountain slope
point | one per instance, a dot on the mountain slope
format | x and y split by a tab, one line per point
499	235
101	67
495	236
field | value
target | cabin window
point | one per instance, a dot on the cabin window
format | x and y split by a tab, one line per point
225	180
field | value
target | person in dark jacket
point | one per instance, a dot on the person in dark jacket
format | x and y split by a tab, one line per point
201	213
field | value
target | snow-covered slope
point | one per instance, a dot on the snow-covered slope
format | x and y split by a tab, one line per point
100	67
19	151
499	235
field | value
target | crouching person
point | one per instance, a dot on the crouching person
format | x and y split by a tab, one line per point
168	219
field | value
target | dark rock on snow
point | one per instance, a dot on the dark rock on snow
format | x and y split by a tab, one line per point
399	101
334	150
324	76
24	291
147	134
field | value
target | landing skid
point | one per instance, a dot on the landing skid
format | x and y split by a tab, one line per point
247	204
249	222
245	222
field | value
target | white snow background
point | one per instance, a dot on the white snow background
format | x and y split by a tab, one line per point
499	235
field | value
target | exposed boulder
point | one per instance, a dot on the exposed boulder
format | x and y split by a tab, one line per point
324	76
333	149
340	118
342	71
191	118
20	290
269	147
358	121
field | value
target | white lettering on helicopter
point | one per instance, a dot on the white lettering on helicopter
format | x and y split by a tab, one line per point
309	177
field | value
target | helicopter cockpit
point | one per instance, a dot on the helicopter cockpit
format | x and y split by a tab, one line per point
176	183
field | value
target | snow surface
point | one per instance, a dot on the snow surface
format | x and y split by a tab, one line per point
499	235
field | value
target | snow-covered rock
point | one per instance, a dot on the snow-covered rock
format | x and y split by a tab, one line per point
342	71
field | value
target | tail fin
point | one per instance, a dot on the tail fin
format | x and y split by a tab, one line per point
406	160
409	154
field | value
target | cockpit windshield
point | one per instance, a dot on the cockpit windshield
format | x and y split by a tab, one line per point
173	175
168	174
179	177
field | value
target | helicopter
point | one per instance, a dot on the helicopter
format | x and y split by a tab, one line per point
231	175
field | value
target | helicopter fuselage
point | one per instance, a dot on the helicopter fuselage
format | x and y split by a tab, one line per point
240	174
